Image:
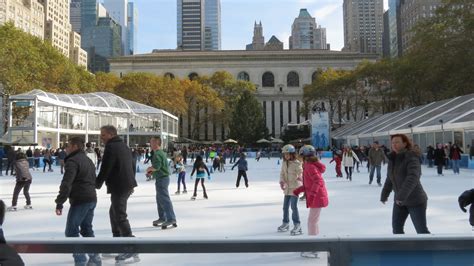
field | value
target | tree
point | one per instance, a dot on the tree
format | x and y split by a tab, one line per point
229	90
202	103
107	82
247	124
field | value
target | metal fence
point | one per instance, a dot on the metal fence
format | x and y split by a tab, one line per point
417	250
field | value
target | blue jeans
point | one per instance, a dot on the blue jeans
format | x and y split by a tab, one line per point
79	221
372	170
293	201
455	164
417	215
163	201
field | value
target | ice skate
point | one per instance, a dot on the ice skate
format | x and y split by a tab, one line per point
127	258
158	222
296	230
284	227
28	207
12	209
177	192
169	224
205	196
310	254
185	192
193	198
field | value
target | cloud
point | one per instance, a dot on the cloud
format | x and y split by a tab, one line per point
283	37
326	10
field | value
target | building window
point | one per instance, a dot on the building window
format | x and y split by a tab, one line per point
293	79
193	76
243	76
268	80
170	75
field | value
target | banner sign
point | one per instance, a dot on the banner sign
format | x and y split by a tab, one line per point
320	130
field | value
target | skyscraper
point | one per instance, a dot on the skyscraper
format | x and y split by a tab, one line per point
394	28
363	26
118	11
101	35
386	35
198	25
305	34
75	15
411	12
57	26
26	15
132	19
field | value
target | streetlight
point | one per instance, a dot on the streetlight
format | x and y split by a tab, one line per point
442	129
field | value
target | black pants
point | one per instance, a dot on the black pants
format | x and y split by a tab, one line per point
118	214
202	185
440	169
10	165
348	170
417	215
46	162
25	185
239	175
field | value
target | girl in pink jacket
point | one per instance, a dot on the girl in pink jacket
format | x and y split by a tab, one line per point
315	190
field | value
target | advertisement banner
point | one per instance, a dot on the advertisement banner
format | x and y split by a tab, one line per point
320	130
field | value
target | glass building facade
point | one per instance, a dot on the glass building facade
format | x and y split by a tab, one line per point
394	28
132	20
198	24
50	120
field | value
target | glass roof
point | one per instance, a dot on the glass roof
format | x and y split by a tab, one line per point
455	110
98	101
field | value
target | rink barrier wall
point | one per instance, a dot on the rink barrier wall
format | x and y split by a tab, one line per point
420	250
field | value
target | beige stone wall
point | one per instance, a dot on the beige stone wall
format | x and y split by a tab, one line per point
27	15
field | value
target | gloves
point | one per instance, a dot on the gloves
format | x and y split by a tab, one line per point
282	185
209	177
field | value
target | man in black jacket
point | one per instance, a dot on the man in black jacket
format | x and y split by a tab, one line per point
118	173
8	256
78	185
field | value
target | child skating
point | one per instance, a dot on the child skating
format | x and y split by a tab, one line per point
290	179
338	159
315	191
181	169
200	168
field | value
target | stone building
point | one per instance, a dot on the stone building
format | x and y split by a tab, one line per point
278	75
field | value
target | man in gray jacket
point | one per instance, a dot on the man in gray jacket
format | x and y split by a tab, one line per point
78	185
376	158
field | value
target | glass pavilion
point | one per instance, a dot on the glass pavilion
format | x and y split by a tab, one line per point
50	119
450	120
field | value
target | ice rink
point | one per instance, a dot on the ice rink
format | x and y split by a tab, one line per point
254	212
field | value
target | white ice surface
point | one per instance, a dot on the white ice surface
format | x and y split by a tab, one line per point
354	209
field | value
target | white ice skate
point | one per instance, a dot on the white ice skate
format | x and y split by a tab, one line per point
284	227
310	254
296	230
12	209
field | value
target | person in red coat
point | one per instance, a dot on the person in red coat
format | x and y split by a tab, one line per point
314	189
338	159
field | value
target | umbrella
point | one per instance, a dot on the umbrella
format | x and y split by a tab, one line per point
263	141
217	142
230	141
275	140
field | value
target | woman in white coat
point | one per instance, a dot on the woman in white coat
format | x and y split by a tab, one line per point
348	157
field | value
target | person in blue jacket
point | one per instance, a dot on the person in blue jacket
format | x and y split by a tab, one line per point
242	165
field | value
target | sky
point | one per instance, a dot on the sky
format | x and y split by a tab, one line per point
157	21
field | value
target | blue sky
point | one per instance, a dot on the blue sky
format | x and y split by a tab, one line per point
157	21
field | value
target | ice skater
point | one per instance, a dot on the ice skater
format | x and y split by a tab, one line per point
290	179
23	181
338	159
315	191
348	158
200	168
181	174
243	168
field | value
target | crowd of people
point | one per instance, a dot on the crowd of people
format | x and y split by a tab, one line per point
301	172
